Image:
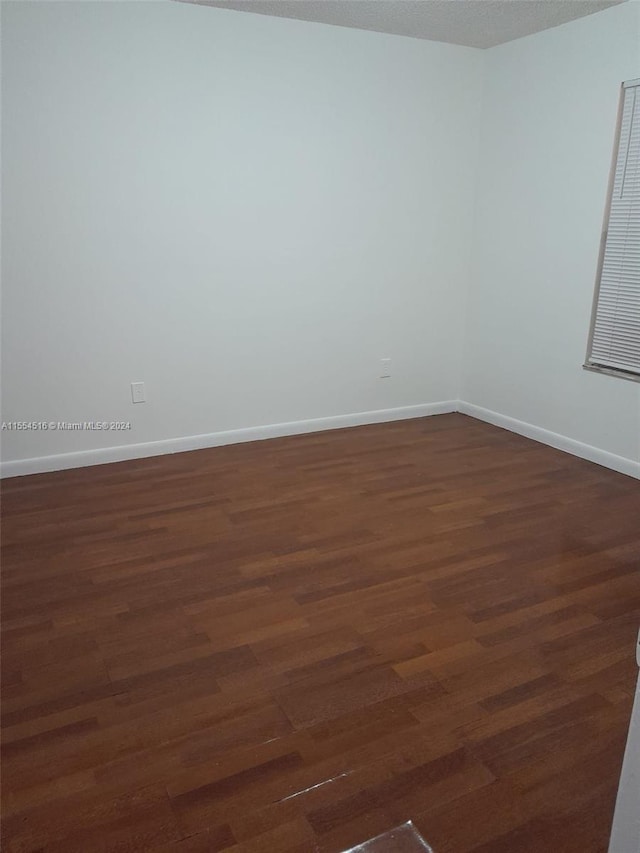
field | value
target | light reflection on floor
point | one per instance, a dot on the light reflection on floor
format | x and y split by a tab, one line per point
402	839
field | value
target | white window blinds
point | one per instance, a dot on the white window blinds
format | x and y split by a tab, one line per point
614	342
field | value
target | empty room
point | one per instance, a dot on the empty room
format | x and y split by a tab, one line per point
320	444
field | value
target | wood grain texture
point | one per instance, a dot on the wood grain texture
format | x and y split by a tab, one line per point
296	645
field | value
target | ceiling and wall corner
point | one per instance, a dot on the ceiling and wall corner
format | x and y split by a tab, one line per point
472	23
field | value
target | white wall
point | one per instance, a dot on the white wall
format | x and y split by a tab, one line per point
548	122
247	213
244	212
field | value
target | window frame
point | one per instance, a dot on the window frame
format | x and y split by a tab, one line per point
588	364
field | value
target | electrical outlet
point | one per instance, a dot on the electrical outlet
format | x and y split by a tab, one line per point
385	368
137	392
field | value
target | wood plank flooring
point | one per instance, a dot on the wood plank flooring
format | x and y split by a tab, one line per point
296	645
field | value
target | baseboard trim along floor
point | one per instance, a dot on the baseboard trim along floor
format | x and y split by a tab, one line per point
100	456
554	439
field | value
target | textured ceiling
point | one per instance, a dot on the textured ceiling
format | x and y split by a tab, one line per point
475	23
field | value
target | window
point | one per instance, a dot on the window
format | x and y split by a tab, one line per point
614	339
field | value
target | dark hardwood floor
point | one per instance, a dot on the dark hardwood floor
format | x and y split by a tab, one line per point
297	644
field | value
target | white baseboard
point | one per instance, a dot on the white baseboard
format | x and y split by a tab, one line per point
83	458
101	456
553	439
